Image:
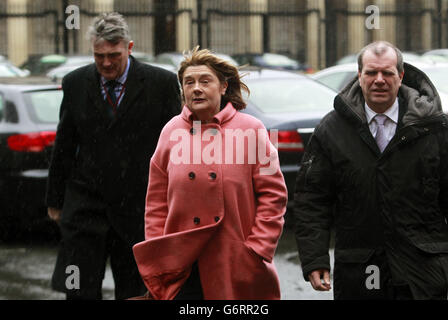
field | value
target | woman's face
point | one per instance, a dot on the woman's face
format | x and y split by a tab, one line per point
202	91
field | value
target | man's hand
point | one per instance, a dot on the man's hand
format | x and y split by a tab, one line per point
54	214
316	277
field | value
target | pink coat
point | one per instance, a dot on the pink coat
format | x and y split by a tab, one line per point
212	209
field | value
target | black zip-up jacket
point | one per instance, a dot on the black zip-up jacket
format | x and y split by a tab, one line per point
393	203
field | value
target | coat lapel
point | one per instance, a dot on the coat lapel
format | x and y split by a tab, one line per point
134	88
94	94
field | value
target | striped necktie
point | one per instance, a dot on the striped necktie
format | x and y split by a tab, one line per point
111	85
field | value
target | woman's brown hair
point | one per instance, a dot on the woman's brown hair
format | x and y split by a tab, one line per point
224	70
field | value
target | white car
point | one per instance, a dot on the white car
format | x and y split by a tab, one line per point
7	69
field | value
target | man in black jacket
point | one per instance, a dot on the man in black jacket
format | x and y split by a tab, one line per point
376	172
110	119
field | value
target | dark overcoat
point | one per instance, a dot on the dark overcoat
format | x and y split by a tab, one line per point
100	161
392	204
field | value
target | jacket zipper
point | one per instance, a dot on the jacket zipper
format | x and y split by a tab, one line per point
308	167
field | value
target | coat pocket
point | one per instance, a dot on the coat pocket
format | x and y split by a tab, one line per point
251	276
246	256
252	253
351	272
430	237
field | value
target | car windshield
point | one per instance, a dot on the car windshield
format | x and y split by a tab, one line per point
290	95
44	105
337	80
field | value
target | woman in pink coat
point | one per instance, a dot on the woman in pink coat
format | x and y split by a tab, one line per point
216	196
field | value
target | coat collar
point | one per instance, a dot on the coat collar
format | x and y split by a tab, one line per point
417	94
225	115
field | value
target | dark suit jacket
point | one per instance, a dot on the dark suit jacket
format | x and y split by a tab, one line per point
106	158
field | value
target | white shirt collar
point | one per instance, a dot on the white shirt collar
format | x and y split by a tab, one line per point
391	113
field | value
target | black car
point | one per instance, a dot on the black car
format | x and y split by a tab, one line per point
29	113
292	104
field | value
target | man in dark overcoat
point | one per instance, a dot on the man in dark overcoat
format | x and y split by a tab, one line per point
376	172
111	116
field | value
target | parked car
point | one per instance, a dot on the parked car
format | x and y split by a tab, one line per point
29	111
40	64
78	60
436	55
56	74
7	70
168	67
272	61
337	77
70	64
437	52
350	58
291	103
175	58
143	56
438	75
407	56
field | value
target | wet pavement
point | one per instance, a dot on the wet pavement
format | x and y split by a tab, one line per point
26	268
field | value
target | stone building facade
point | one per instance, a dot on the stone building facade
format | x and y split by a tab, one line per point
315	31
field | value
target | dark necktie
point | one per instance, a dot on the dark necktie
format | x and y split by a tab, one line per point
111	85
